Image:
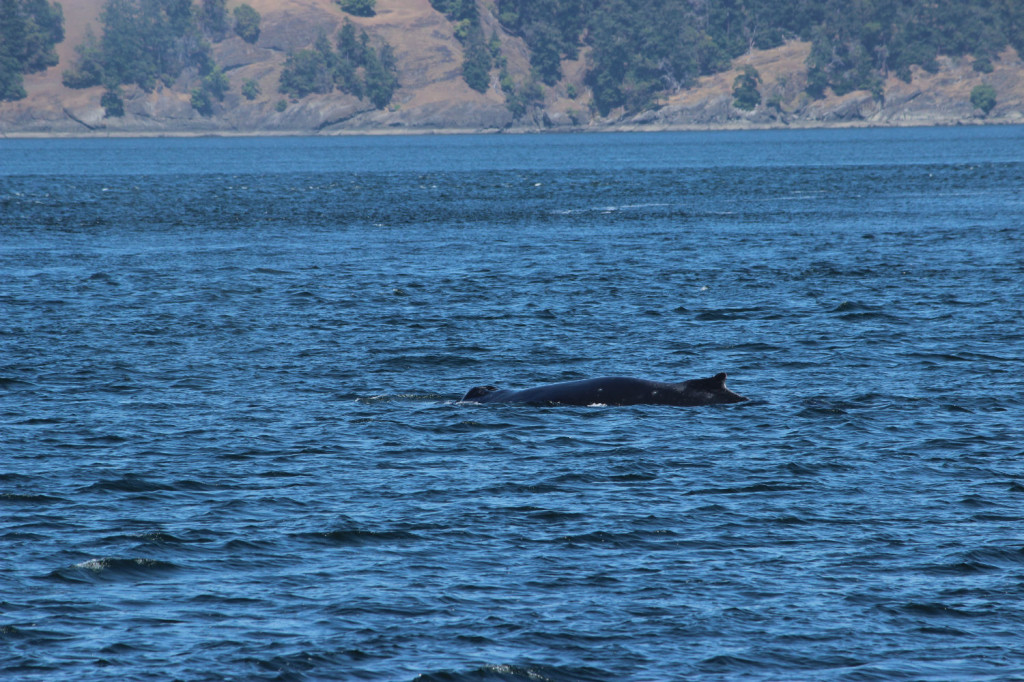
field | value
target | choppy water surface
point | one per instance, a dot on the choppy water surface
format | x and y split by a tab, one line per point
231	445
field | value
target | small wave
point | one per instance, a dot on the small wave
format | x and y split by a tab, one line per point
392	397
352	535
362	537
39	421
12	384
727	314
632	540
855	311
33	636
30	498
815	468
518	673
608	209
293	666
554	516
431	360
156	537
982	560
746	489
103	277
730	664
522	489
114	569
127	484
933	609
106	439
960	568
854	307
470	426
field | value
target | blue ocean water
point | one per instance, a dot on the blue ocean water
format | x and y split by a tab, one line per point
232	447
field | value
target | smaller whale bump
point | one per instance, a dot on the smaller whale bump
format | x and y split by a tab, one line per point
615	391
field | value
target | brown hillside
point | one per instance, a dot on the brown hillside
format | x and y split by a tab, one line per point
433	96
432	93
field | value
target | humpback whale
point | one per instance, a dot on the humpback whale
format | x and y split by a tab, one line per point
614	391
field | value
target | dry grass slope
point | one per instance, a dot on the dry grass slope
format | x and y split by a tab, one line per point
433	96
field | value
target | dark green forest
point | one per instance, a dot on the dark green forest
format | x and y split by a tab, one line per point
355	68
642	49
29	30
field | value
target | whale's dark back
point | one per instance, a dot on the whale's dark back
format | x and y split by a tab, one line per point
615	391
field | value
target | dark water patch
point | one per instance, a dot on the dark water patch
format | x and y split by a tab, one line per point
554	516
304	665
730	314
817	468
935	610
278	473
105	438
944	630
357	537
631	540
515	488
207	598
350	532
634	477
14	384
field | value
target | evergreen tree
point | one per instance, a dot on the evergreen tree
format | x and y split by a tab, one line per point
359	8
213	18
476	64
89	69
29	30
250	89
112	103
745	94
247	23
984	97
381	78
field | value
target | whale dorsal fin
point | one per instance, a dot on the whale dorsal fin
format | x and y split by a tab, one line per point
478	392
714	383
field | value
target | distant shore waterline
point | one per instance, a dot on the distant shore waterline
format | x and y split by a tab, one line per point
402	131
